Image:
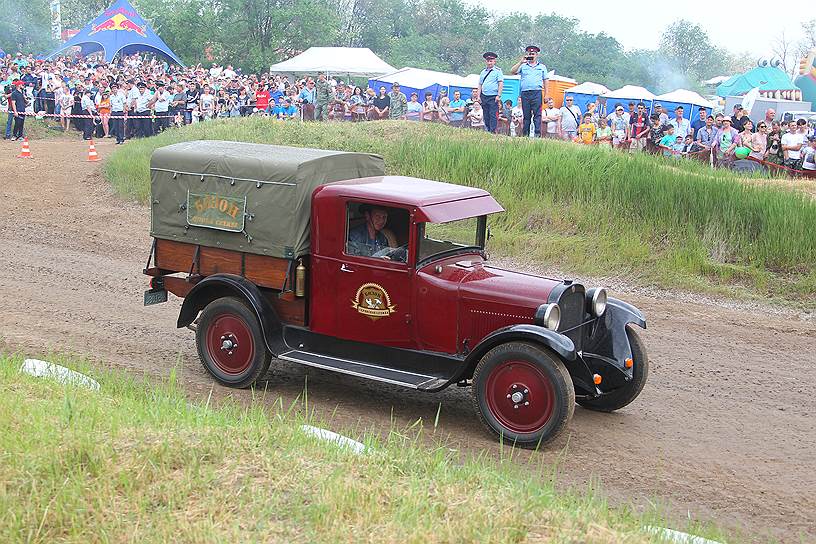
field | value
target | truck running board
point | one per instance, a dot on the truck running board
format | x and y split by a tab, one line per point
411	380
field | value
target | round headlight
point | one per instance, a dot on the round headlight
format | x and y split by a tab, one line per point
552	317
596	299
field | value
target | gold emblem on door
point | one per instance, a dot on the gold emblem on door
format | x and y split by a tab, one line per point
373	301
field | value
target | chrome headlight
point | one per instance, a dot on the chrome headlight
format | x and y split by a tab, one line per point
596	301
548	316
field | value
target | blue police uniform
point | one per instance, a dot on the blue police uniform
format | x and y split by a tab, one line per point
489	79
531	83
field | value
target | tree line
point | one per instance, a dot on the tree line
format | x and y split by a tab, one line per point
444	35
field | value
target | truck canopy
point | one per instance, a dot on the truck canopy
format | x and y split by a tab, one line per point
246	197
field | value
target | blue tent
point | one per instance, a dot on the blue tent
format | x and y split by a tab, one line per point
585	94
691	102
118	29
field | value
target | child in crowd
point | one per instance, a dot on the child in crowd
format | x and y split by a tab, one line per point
476	116
196	115
677	148
809	155
667	142
690	146
517	120
587	130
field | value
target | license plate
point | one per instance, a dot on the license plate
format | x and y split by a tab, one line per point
155	296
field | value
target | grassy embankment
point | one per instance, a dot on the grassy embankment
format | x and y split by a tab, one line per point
140	463
586	210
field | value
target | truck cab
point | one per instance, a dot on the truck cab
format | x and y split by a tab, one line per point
391	282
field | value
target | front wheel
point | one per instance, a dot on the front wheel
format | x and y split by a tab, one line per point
629	391
231	344
523	394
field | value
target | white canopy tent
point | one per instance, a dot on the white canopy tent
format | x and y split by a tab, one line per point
353	61
588	88
683	96
420	78
630	92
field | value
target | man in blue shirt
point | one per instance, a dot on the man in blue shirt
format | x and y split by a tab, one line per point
531	82
370	237
698	123
457	110
491	84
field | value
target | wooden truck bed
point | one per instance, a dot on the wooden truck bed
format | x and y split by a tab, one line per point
197	262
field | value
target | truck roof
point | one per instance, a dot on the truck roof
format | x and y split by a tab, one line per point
436	201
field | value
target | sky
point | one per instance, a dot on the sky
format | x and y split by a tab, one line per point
732	25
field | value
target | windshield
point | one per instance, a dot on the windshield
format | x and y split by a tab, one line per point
438	238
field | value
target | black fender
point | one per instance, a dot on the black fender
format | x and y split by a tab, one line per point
624	312
608	348
230	285
533	334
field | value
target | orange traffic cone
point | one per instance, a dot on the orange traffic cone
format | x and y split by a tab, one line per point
26	152
92	154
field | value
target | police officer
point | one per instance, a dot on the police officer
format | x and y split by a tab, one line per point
491	84
324	95
88	113
117	101
141	111
531	82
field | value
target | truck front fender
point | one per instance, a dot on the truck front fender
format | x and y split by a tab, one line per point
229	285
559	343
623	313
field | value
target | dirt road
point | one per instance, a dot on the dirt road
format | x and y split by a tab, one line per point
723	430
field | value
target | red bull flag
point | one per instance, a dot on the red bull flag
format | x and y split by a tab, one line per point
118	30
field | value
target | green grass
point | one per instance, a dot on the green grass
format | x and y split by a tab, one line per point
140	462
584	209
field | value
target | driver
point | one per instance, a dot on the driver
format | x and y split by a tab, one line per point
371	237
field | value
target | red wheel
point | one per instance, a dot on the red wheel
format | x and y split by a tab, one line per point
523	393
520	396
231	344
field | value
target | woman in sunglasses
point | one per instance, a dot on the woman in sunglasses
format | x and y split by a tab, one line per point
759	143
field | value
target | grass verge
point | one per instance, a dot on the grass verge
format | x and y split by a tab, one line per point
139	462
594	211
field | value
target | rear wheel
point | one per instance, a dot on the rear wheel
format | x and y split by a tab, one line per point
629	391
523	394
231	344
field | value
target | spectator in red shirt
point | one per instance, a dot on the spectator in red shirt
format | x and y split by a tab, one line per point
262	98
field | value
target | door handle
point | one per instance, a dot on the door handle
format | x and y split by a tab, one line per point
344	268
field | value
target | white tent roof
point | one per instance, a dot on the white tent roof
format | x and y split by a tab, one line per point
419	78
685	97
552	75
716	80
631	92
588	88
355	61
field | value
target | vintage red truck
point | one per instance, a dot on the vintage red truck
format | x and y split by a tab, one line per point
318	258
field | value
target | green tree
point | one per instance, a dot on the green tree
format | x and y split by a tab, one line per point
25	26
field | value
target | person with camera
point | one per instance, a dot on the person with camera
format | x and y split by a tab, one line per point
491	84
531	82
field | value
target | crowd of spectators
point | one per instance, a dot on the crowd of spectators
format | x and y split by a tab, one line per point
141	96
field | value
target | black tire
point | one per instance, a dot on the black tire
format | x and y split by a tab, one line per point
544	384
228	319
628	392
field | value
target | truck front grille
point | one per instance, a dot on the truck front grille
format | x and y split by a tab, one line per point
572	315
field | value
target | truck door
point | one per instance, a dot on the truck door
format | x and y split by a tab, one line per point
373	299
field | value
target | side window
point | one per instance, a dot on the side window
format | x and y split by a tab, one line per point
376	231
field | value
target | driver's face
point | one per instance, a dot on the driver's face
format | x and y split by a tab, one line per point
378	219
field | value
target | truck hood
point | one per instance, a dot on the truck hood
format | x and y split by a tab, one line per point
489	285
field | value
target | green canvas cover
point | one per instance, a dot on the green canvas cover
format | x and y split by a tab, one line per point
246	197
